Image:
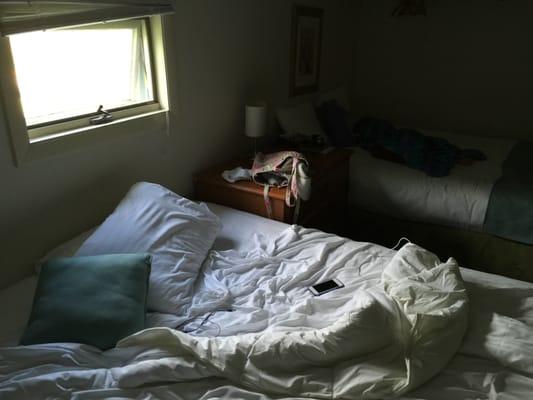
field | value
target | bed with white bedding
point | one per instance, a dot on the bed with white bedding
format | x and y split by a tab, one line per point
254	282
458	200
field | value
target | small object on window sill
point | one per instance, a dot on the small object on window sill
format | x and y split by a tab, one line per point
102	117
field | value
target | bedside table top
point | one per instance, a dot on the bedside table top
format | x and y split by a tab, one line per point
319	165
213	177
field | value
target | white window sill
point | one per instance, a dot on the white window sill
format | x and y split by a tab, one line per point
46	146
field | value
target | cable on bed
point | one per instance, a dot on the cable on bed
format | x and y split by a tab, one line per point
399	244
204	321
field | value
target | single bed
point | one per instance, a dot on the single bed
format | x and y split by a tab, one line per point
459	200
491	196
495	359
480	213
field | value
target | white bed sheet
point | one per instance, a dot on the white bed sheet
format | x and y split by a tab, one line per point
501	313
460	199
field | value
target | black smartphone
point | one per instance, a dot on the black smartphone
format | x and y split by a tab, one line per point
325	287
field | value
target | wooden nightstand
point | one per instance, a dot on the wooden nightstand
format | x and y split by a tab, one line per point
325	209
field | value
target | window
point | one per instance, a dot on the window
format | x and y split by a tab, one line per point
64	78
67	73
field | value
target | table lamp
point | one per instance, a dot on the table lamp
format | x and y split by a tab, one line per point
256	121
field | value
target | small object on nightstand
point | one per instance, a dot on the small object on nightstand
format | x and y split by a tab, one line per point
327	205
237	174
283	169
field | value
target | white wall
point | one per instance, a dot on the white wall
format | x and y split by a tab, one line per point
466	67
221	53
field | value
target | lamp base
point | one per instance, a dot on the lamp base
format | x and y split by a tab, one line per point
254	148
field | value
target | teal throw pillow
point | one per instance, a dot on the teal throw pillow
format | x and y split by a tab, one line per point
94	300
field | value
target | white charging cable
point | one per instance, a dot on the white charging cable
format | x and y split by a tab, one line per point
399	244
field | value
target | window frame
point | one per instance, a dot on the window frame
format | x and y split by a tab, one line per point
44	140
81	120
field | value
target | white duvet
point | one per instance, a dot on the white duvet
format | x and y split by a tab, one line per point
259	330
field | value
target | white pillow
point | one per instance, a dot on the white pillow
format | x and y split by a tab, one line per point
299	120
67	249
177	232
339	94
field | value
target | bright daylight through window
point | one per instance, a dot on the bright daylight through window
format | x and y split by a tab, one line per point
66	74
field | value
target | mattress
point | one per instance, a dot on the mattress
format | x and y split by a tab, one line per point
494	361
458	200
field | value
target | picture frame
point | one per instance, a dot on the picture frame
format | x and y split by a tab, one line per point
306	47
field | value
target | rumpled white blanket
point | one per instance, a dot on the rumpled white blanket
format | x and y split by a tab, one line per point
379	336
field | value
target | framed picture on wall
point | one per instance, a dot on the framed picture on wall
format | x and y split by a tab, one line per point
306	43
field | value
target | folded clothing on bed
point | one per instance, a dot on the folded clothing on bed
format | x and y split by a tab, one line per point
433	155
336	122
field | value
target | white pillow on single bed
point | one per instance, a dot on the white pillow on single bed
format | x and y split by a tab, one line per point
339	94
177	232
299	120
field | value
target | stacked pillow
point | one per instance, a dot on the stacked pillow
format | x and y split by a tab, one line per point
299	120
335	121
329	119
339	94
102	294
177	232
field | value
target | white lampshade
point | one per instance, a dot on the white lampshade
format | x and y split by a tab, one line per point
256	120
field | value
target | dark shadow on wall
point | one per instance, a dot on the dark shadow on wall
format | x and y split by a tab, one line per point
45	226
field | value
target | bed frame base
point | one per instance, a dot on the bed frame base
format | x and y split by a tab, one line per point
475	250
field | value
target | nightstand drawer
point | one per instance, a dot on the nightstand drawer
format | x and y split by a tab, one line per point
235	197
